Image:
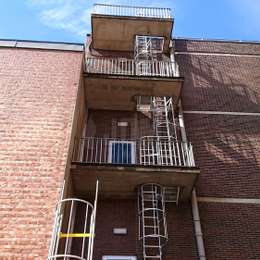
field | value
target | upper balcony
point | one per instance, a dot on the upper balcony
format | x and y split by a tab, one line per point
115	26
114	83
132	11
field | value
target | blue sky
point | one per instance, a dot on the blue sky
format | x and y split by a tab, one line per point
69	20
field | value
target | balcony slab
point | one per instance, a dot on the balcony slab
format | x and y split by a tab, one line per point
118	32
120	181
120	92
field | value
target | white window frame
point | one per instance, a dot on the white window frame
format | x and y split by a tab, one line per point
133	151
114	257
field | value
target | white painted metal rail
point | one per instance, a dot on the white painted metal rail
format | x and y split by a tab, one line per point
66	233
149	150
130	67
135	11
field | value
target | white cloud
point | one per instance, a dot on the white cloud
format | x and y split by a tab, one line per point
68	15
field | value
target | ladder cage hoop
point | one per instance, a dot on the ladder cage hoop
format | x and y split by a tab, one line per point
153	234
73	238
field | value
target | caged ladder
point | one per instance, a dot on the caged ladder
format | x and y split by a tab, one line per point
146	50
155	150
152	221
163	117
162	148
165	129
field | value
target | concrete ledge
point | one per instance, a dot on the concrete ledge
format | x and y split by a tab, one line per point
42	45
228	200
122	180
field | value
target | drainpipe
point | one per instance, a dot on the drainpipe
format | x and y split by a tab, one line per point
194	202
197	226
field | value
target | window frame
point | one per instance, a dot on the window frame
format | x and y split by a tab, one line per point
133	150
118	257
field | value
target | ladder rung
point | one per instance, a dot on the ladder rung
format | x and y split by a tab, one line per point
155	226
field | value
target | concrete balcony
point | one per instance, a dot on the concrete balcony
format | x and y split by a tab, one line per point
122	165
114	83
115	26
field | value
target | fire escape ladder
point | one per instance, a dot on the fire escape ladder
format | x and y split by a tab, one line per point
165	129
146	51
152	220
159	149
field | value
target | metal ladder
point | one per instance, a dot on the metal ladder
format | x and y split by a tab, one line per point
152	220
165	129
146	51
163	117
143	54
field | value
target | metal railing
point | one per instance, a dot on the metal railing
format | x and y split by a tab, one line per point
64	235
151	150
136	11
130	67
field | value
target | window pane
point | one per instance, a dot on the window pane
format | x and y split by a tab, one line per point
122	153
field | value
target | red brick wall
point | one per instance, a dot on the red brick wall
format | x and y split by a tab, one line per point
231	231
220	83
226	147
227	150
217	46
37	97
123	213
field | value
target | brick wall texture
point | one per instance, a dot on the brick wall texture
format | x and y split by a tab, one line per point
231	231
123	213
226	147
37	97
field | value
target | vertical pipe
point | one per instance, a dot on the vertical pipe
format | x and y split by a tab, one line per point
194	203
197	227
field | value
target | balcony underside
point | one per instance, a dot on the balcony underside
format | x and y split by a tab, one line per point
118	32
122	181
120	92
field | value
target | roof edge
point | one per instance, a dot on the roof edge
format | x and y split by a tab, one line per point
216	40
48	45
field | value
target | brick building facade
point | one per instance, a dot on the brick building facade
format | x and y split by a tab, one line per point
74	114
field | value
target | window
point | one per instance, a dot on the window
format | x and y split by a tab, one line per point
114	257
121	152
